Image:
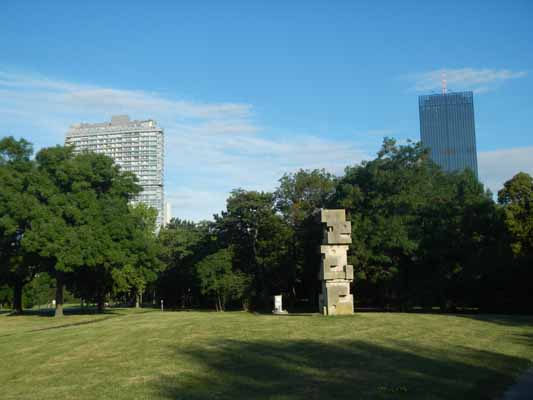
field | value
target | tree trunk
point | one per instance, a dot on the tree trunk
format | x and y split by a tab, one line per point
100	304
137	300
60	283
17	298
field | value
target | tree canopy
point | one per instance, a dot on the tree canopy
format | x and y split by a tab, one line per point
421	237
69	215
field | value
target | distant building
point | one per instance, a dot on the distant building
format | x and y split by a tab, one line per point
167	213
137	146
447	128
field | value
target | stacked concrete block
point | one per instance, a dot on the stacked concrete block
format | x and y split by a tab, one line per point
335	273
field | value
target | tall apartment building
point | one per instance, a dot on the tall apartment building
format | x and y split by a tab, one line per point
137	146
448	129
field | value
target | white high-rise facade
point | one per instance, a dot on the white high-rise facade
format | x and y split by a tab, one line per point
137	146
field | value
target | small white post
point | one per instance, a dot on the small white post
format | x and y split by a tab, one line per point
278	305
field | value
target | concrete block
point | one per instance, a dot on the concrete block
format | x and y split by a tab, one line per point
348	269
337	250
336	297
338	233
327	215
328	274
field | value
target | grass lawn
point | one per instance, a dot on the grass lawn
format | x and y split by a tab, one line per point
148	354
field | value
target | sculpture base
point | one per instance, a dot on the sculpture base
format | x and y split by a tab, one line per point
336	298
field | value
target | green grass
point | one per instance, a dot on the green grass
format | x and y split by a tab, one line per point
147	354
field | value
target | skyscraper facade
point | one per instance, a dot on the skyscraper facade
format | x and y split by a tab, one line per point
448	129
137	146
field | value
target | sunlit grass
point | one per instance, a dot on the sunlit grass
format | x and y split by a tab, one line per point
141	354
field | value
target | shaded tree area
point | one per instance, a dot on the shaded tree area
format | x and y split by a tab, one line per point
427	238
250	236
514	287
183	244
422	238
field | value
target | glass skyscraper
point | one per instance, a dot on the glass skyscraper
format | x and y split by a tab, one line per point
447	128
137	146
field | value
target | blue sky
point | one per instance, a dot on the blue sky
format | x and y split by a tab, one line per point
248	90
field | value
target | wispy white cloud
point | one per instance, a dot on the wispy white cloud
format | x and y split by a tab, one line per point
211	148
477	80
498	166
73	97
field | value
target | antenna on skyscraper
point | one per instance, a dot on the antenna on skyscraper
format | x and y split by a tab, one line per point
443	82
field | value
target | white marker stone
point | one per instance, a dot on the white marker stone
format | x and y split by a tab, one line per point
278	305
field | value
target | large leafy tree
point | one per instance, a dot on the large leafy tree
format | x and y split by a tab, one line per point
459	246
80	233
142	264
182	245
517	199
301	193
18	207
260	240
384	198
219	281
419	234
297	198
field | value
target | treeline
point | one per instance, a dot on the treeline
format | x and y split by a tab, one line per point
422	238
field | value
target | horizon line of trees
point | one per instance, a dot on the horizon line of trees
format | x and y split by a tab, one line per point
421	237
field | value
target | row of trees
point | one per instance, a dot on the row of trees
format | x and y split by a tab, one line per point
421	237
69	216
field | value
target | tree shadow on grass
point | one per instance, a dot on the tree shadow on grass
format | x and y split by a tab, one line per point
67	311
92	321
524	339
69	325
308	370
289	314
506	320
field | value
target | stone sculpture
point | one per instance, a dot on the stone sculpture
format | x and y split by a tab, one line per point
335	273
